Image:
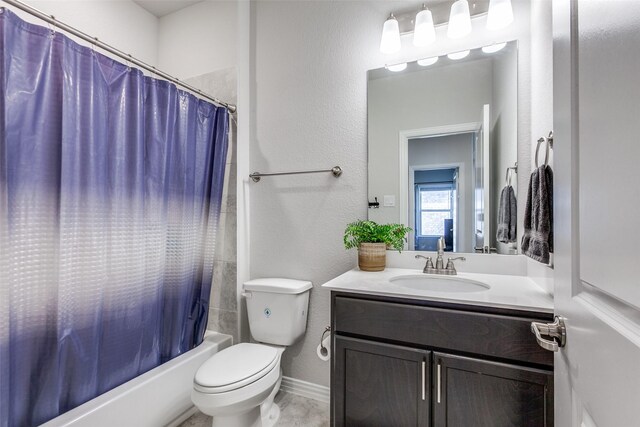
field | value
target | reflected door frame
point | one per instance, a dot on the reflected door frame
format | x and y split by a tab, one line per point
406	176
460	188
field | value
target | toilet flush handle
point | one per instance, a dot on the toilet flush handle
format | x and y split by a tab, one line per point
247	294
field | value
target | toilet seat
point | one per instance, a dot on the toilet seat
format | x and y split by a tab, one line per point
236	367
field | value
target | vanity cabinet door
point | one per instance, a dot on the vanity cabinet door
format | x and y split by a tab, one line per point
476	393
378	384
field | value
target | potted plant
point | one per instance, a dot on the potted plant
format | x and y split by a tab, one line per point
372	241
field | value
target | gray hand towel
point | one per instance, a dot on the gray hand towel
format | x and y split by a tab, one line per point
507	216
537	241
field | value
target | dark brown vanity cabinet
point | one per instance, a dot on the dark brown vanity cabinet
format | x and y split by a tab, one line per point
381	384
475	392
400	362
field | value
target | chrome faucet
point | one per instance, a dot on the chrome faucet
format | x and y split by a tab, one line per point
449	270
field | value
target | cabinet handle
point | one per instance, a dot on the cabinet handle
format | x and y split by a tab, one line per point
439	383
424	381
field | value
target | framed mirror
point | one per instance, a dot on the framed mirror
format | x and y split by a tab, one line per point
442	141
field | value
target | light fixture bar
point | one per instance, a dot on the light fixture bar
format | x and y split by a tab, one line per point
440	14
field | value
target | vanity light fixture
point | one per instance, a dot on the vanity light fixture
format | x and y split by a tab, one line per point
390	41
493	48
425	62
459	20
424	32
397	67
500	14
458	55
421	25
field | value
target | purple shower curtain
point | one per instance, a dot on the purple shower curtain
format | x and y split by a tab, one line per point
110	190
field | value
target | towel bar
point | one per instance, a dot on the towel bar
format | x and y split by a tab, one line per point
336	171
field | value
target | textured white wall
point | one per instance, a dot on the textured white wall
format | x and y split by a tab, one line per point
310	106
541	76
308	110
198	39
308	63
120	23
541	97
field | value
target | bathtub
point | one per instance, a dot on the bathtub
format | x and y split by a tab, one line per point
160	397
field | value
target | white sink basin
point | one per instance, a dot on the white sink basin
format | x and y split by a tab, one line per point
434	283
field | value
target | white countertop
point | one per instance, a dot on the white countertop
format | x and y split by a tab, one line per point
507	291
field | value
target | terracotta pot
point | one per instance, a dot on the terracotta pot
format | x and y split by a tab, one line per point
372	256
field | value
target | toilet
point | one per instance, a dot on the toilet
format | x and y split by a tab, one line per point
237	385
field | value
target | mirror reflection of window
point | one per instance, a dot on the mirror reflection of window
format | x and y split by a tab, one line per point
436	202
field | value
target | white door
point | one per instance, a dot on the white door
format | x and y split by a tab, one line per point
482	181
597	211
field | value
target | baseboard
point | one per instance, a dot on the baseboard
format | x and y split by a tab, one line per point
183	417
305	389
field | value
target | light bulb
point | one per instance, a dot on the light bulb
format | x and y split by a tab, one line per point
500	14
458	55
425	62
493	48
424	33
459	20
390	42
397	67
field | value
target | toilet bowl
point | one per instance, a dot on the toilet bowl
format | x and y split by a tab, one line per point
237	385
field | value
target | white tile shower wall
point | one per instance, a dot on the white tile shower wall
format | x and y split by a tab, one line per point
308	92
223	308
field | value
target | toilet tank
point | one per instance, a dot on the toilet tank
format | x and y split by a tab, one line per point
277	309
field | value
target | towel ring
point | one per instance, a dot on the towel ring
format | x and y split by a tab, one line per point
548	144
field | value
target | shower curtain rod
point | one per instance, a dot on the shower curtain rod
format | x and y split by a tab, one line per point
127	57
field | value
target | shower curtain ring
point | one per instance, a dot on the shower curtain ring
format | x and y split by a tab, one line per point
52	31
93	46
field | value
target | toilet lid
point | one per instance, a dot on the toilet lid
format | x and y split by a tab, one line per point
236	366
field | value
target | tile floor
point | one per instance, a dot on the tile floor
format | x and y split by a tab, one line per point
295	411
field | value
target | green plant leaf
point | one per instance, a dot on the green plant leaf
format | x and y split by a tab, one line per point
393	235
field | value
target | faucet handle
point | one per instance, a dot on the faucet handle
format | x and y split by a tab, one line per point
429	263
450	267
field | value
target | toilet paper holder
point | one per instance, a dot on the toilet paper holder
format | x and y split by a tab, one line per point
323	350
